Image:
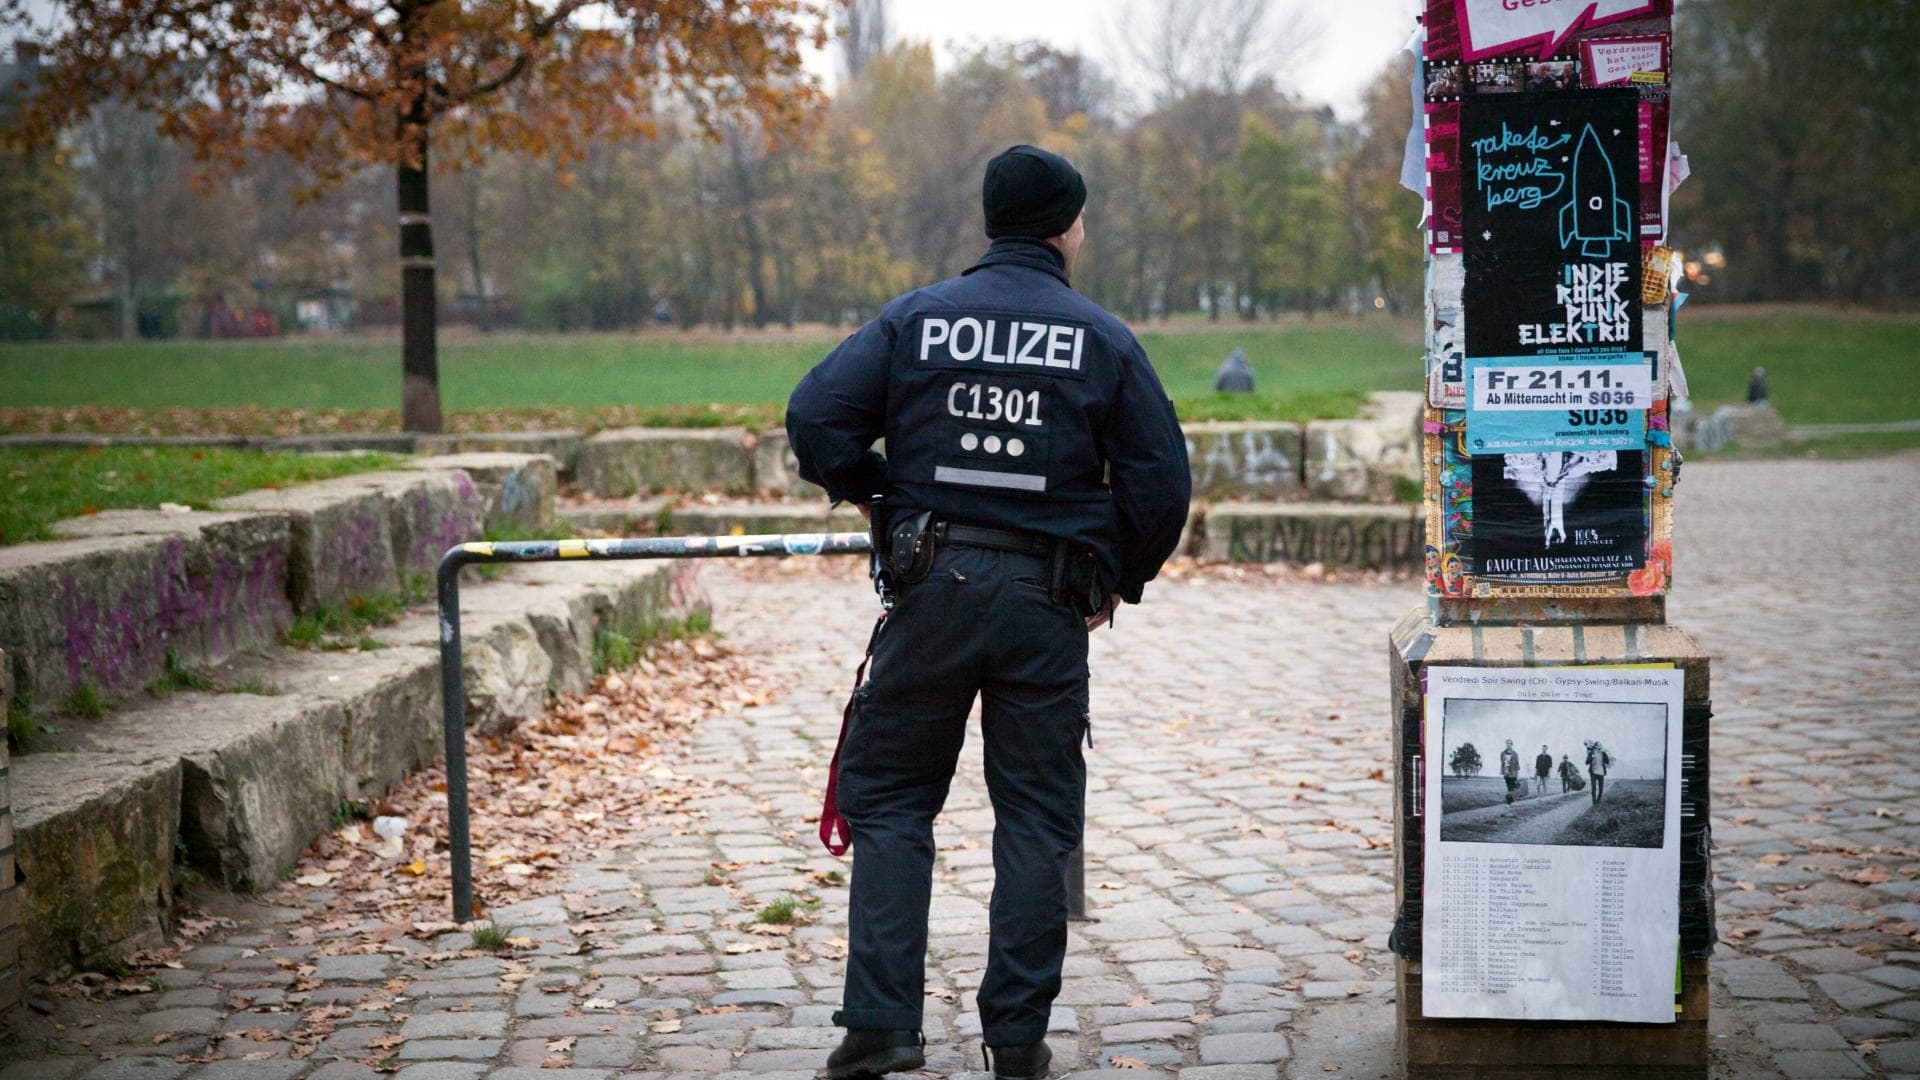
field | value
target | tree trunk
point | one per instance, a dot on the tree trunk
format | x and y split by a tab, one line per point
129	303
485	317
1140	265
783	283
750	233
420	362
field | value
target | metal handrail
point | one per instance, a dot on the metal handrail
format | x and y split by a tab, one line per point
453	692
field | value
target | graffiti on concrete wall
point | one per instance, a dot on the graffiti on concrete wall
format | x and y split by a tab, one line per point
1255	461
1369	543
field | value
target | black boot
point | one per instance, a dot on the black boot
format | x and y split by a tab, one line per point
1025	1061
872	1051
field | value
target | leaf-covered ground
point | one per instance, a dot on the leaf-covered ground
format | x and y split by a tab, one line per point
557	790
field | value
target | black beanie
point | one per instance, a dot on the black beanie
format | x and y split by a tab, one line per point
1030	192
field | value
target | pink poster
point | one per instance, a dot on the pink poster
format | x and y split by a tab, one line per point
1613	61
1443	175
1476	29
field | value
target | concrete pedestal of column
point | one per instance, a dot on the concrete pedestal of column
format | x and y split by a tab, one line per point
1438	1048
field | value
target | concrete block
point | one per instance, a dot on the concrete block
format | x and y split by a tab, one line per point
83	440
251	805
632	461
776	471
356	535
532	636
628	597
753	519
389	702
506	669
1361	459
1333	534
259	780
1752	426
563	616
1193	535
562	446
636	516
346	442
631	598
106	608
342	537
259	776
95	853
429	511
516	489
1692	430
1255	459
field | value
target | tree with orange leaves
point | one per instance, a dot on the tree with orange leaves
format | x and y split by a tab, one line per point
340	84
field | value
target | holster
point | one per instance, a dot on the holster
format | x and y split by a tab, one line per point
1075	579
910	548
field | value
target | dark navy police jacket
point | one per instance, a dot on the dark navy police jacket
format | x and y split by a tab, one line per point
1007	400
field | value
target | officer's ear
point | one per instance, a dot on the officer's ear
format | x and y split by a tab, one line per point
1068	243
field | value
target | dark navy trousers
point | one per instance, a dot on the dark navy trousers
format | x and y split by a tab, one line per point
981	624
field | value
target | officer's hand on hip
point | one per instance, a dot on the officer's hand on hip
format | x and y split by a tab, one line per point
1105	614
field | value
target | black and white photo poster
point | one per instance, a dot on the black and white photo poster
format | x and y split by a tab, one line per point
1558	515
1552	825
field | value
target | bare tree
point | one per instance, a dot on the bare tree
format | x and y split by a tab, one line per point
483	316
863	33
129	166
746	200
1068	82
1220	46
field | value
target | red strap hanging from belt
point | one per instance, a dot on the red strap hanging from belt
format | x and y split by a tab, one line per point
833	828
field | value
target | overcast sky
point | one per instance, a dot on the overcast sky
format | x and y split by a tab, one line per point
1355	37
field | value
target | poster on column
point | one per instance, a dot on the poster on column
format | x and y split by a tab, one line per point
1645	65
1478	29
1592	401
1550	222
1558	515
1552	825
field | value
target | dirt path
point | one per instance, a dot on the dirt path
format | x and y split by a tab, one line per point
1538	820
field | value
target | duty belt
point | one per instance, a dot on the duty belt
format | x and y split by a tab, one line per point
1020	543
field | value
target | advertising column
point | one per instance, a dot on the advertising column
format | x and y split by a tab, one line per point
1555	908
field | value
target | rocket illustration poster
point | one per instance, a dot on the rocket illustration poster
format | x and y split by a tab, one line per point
1550	222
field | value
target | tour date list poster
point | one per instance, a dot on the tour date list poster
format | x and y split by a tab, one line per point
1550	193
1551	812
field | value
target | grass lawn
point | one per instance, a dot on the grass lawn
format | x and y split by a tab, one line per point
1630	813
1322	368
1473	792
44	486
1826	365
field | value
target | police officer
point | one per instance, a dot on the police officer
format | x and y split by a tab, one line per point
1035	477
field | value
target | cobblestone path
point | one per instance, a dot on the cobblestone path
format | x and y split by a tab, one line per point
1796	580
1238	870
